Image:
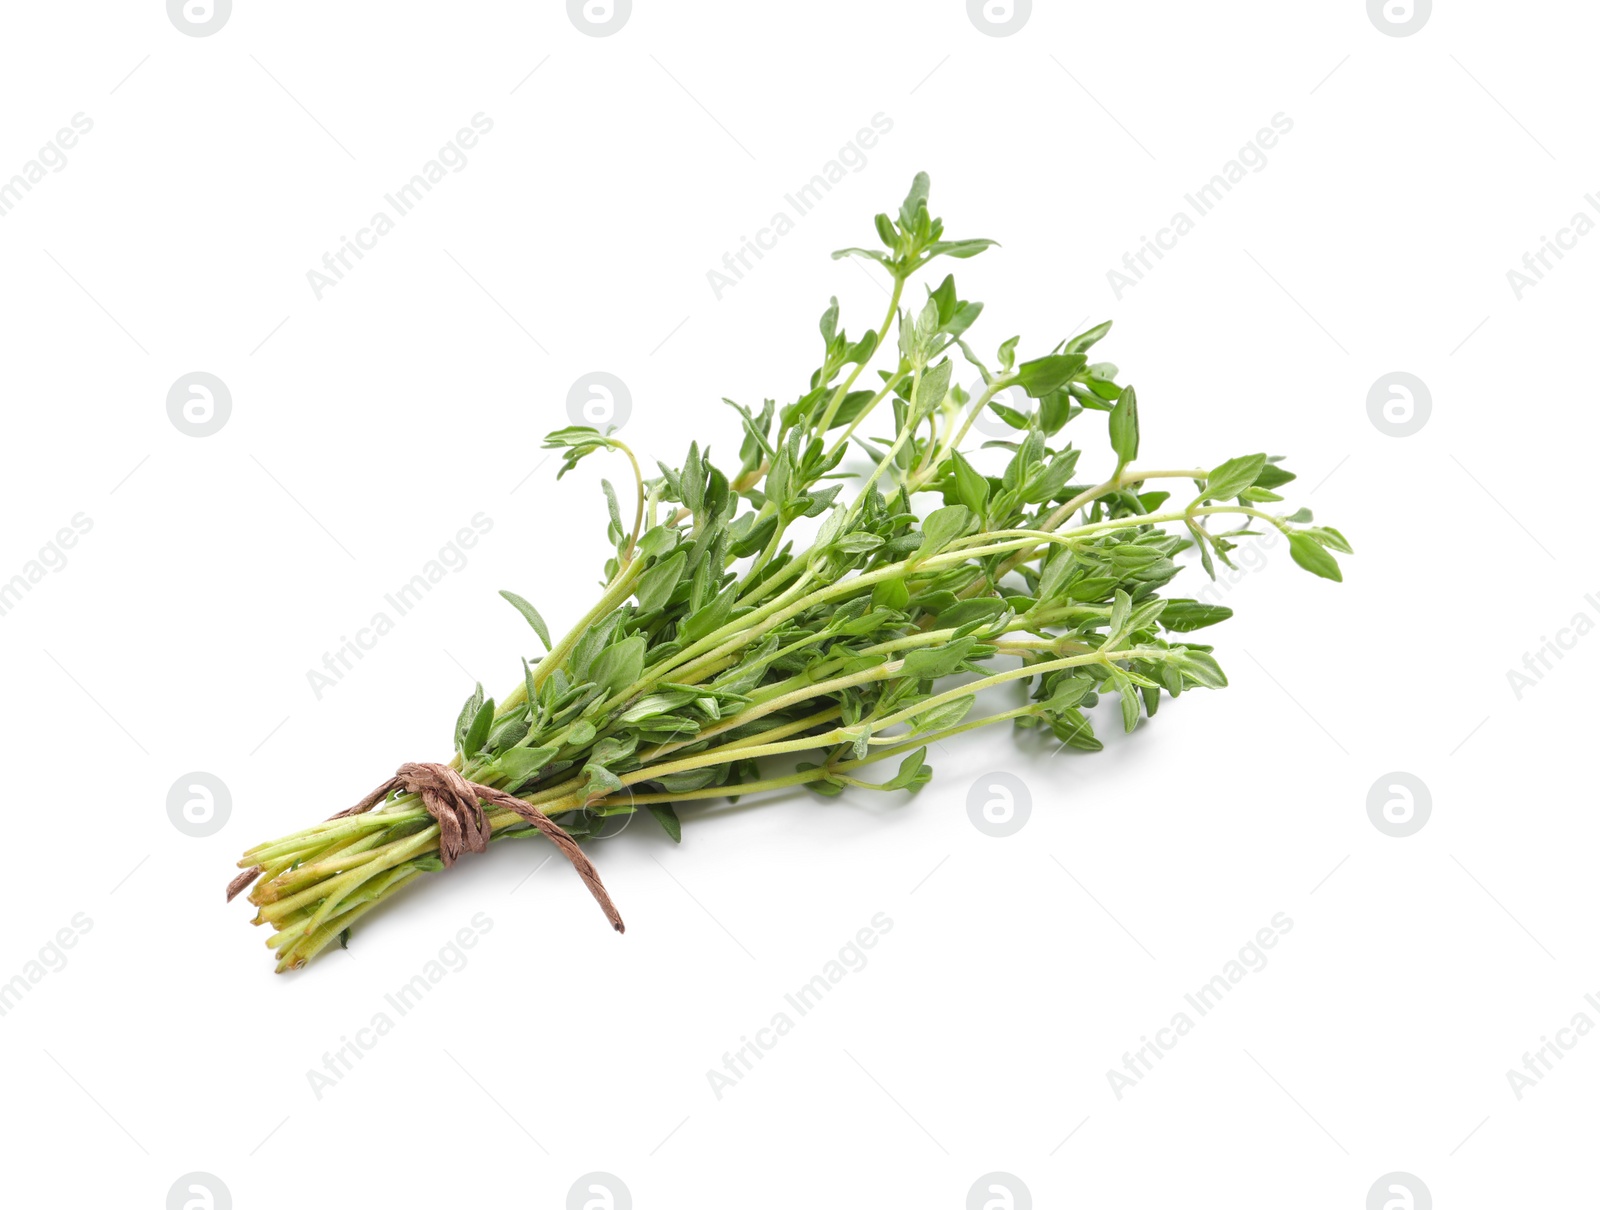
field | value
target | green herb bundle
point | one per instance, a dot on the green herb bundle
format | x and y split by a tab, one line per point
761	628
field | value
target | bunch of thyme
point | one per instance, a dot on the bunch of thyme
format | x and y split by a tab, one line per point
732	638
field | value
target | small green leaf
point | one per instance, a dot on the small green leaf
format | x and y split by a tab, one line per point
688	779
971	487
657	542
1234	476
517	765
858	543
1104	390
657	583
827	785
913	772
1125	427
943	526
1069	691
693	480
1081	342
891	594
930	663
966	315
529	691
830	321
508	733
1117	628
961	248
1010	415
1072	728
602	781
853	404
620	664
532	614
978	609
654	704
1198	666
1331	538
1055	409
1130	701
613	509
711	616
1090	588
932	387
866	252
472	744
947	715
1274	476
1045	374
668	819
469	711
1202	542
916	200
1145	615
1310	554
1183	615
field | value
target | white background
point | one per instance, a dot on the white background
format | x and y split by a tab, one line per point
369	426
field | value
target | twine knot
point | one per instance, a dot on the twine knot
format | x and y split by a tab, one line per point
456	805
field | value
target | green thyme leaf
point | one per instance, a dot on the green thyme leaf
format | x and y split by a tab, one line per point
478	731
1234	476
1046	374
532	614
668	819
1311	555
1125	427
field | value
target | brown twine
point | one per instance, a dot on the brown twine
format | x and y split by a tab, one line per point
456	805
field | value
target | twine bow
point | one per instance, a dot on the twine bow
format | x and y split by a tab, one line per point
456	805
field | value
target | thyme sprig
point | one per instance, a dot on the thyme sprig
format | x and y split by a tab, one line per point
753	614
